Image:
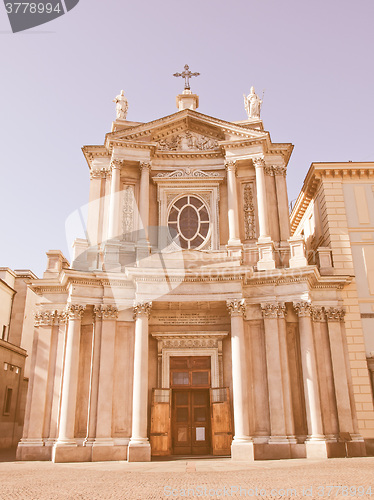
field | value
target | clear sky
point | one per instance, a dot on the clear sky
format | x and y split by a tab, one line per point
314	60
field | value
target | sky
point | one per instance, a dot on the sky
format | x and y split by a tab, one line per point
312	59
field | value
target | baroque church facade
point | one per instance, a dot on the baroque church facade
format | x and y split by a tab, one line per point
190	322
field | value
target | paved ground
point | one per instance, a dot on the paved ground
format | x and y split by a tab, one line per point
191	478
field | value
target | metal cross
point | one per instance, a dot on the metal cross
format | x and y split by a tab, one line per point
186	74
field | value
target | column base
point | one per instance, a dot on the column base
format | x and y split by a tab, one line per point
104	450
318	449
266	260
234	248
139	451
143	251
273	450
111	256
69	451
33	449
242	450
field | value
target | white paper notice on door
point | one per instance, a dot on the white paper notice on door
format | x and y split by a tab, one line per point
200	433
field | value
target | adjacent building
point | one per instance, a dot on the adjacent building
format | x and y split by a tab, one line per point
16	305
334	213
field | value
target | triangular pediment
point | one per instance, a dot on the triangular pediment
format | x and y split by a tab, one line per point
186	130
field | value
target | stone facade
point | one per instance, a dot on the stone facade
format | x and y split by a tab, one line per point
15	341
189	287
335	215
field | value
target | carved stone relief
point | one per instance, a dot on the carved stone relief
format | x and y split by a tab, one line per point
186	142
249	213
128	212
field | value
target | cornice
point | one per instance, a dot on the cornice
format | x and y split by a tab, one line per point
308	275
330	171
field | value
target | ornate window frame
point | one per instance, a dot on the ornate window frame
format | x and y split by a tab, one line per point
173	185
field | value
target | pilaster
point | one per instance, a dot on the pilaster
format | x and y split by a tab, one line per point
234	245
103	445
265	245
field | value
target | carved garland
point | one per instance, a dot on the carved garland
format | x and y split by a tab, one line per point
249	213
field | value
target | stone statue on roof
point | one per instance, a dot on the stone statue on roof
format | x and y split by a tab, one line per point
252	104
122	106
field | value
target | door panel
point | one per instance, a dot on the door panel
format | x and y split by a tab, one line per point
191	422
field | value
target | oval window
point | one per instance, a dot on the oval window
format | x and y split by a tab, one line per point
188	222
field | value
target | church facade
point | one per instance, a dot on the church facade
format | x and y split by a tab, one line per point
190	322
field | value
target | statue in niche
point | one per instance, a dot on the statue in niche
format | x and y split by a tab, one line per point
122	106
252	104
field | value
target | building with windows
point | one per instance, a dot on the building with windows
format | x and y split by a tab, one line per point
190	322
335	214
16	303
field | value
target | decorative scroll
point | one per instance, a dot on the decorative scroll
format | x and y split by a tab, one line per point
236	307
128	212
249	213
187	172
142	309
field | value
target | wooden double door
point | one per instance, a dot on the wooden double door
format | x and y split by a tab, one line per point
190	422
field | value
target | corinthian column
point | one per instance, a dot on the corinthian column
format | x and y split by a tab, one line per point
315	444
70	384
232	198
242	445
264	244
275	379
139	447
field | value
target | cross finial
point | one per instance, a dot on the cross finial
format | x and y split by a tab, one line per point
186	74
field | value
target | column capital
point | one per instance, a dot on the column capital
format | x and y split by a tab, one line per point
230	165
142	309
335	313
303	309
317	313
259	162
74	311
280	170
117	164
269	310
145	166
236	307
281	310
102	312
100	173
45	318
